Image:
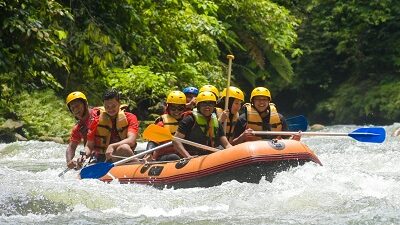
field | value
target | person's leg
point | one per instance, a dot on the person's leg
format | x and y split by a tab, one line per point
169	157
123	151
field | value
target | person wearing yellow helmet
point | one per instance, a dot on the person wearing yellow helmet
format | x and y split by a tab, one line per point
78	105
260	115
201	126
176	102
231	115
114	132
212	88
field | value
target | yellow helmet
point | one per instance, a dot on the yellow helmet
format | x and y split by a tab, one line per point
206	96
75	95
176	97
260	91
234	92
211	88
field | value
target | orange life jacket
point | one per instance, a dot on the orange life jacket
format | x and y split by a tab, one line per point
104	128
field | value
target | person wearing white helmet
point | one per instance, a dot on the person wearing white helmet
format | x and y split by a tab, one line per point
78	105
201	126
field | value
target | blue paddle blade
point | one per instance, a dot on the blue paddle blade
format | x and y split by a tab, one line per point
369	134
297	123
96	171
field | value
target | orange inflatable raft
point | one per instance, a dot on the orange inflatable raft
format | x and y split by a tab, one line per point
246	162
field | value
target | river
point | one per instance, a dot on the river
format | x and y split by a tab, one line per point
359	183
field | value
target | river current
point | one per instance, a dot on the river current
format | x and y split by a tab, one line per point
359	183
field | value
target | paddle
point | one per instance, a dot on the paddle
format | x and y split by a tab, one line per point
100	169
365	134
160	134
81	153
63	172
297	123
230	58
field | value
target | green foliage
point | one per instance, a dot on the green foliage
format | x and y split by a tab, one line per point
32	43
378	103
261	36
43	114
139	84
343	43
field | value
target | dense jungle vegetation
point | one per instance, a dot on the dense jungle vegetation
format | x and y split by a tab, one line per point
332	61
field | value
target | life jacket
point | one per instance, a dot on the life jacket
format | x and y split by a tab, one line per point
203	132
104	128
230	125
170	122
255	122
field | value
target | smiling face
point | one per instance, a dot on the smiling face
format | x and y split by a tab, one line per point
206	108
176	110
112	106
236	105
261	103
78	108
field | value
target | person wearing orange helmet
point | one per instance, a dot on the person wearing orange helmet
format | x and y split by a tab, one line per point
176	103
201	126
113	134
231	115
78	105
260	115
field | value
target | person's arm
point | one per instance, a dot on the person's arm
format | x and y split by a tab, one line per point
179	146
133	129
70	154
241	134
224	142
129	140
89	148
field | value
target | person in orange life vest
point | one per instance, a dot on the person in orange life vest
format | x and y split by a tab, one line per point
259	115
176	101
201	126
231	115
78	105
114	132
191	94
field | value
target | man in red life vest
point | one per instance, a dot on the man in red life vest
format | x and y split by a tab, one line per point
114	132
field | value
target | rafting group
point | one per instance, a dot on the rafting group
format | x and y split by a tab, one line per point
203	138
109	132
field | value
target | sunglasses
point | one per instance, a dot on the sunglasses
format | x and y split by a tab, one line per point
176	108
207	103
